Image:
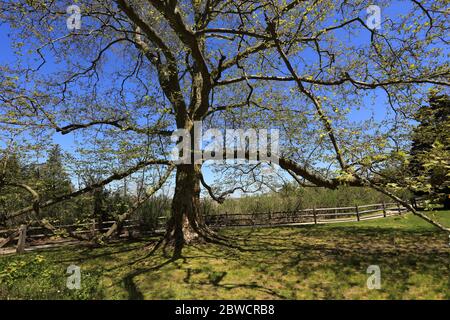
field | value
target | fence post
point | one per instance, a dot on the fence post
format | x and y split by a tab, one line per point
414	203
399	209
357	212
93	228
315	216
22	238
384	209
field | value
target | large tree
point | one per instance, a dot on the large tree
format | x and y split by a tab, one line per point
136	70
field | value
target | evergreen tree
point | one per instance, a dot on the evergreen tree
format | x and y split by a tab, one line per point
10	170
430	151
55	179
51	180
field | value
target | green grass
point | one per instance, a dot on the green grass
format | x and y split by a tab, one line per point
307	262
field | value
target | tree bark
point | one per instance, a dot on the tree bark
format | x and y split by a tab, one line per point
186	225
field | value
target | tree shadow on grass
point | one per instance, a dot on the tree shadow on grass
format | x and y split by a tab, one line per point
83	253
214	278
404	256
129	284
286	257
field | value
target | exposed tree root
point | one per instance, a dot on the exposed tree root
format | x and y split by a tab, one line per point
192	235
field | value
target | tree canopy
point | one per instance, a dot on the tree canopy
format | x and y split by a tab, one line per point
341	91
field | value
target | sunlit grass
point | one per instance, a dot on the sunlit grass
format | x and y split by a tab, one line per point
307	262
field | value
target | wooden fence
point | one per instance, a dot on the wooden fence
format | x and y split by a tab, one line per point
34	235
306	216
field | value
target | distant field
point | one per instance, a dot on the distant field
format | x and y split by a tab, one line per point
306	262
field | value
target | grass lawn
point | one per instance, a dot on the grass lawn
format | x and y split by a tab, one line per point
307	262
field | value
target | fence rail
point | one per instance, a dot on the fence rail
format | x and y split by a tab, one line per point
305	216
33	233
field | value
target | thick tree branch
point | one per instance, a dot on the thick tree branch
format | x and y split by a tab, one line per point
167	72
36	198
431	79
325	121
404	203
171	12
113	177
115	123
149	32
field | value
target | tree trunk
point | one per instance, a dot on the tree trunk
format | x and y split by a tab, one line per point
186	224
